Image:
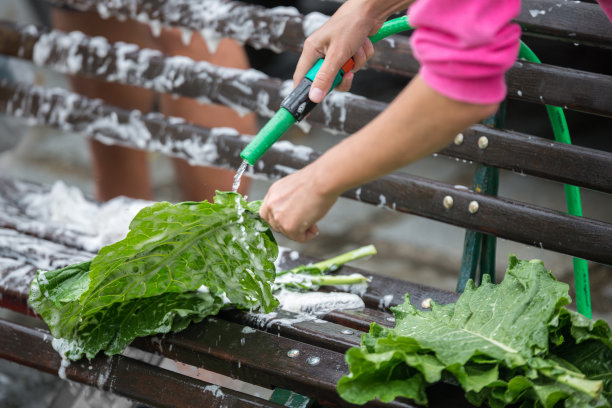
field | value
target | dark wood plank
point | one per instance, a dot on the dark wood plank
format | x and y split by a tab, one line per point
532	82
539	83
360	319
259	358
527	154
574	165
320	333
121	375
576	21
510	219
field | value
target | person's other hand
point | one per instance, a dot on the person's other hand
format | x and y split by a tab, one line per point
343	36
294	204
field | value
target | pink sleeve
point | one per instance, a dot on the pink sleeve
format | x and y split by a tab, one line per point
465	46
606	5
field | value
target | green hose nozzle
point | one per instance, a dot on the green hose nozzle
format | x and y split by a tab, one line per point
268	135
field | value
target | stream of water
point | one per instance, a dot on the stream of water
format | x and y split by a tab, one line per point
238	175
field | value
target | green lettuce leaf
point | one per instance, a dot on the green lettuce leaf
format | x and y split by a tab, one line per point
112	329
494	342
149	282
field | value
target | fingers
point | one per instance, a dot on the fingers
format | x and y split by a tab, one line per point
299	234
325	77
360	58
311	232
310	55
368	48
329	69
346	83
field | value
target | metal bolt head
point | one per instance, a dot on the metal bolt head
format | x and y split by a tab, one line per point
447	202
483	142
314	360
347	331
293	353
426	303
459	139
473	207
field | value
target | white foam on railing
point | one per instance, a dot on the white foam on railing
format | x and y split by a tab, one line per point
66	207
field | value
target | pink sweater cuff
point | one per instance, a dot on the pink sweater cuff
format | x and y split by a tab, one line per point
480	90
465	47
606	5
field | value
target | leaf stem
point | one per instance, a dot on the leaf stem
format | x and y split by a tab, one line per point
337	261
330	280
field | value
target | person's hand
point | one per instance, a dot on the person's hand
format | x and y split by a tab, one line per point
343	36
294	204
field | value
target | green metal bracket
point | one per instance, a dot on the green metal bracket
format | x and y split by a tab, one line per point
478	246
291	399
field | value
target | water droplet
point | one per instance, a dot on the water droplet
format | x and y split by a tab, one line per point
293	353
347	331
314	360
426	303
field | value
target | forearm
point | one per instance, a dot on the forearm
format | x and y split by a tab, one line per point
382	9
417	123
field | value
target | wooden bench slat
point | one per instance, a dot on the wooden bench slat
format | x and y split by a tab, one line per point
527	81
259	358
121	375
527	154
575	21
360	319
316	332
508	150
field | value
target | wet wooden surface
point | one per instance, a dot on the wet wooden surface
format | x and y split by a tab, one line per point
121	375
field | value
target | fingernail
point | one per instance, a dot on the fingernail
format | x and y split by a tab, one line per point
316	95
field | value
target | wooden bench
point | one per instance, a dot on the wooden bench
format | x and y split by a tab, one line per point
267	356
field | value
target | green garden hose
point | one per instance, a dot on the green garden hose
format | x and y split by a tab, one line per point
572	195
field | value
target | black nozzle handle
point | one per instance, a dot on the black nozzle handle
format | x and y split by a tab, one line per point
297	102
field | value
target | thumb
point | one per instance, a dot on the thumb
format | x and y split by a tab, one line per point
311	232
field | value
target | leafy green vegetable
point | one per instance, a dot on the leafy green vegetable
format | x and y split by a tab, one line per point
179	263
502	343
